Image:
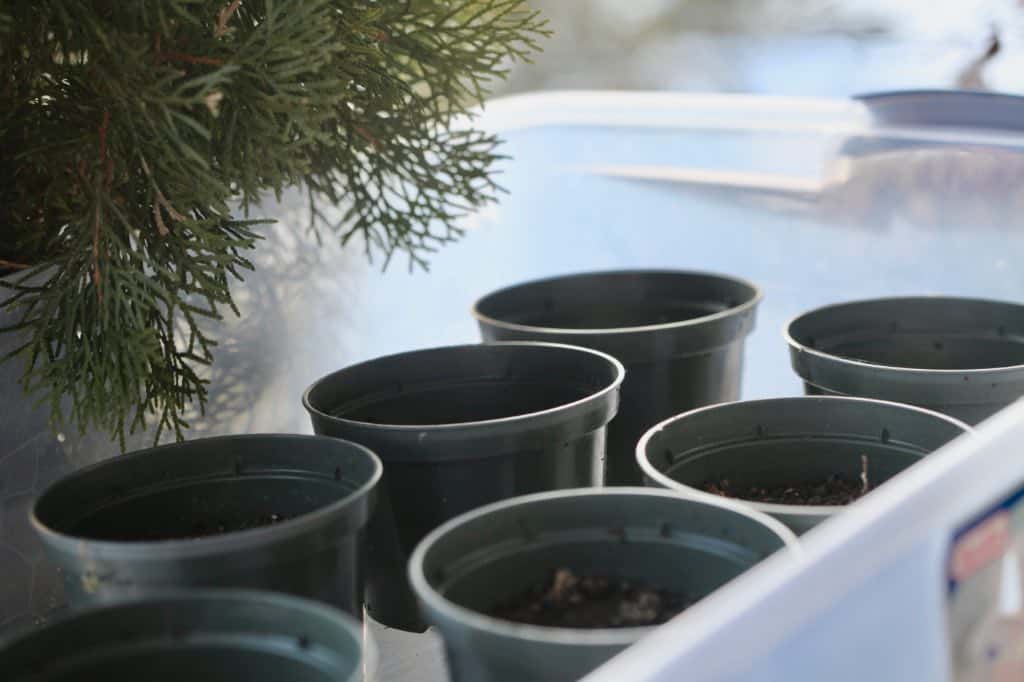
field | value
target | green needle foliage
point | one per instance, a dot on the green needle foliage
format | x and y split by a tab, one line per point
130	130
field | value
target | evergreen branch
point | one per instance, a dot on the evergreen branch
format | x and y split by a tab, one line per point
130	130
107	169
224	17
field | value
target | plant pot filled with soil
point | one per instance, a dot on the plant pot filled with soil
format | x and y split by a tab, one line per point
277	512
200	635
459	427
547	587
960	356
680	336
798	459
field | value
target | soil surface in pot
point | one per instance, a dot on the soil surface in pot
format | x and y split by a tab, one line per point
199	529
568	600
203	530
836	490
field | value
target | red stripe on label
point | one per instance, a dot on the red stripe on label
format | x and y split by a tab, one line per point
981	546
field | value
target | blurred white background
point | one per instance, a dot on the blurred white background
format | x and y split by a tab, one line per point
789	47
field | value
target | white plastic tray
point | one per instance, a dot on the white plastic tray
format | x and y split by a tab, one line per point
871	599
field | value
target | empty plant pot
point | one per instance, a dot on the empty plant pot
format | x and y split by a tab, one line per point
207	636
460	427
680	336
657	541
277	512
807	454
963	357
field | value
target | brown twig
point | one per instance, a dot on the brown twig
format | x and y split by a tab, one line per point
104	127
223	17
365	134
190	58
96	251
161	201
161	227
175	56
11	265
865	486
107	167
167	207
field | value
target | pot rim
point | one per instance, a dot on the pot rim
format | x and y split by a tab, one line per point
620	374
229	596
798	510
229	542
600	637
738	309
798	347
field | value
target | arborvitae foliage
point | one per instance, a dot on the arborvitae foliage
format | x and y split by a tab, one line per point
130	129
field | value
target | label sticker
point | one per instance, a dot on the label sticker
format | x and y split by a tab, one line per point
985	598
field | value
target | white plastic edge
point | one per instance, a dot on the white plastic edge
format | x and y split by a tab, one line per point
927	502
666	110
718	112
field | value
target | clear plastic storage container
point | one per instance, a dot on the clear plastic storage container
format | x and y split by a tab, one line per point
815	200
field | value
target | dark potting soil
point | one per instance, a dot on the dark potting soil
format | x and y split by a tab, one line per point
203	530
568	600
199	529
835	490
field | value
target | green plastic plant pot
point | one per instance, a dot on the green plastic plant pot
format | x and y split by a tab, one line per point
680	336
466	567
138	523
781	441
460	427
963	357
203	635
